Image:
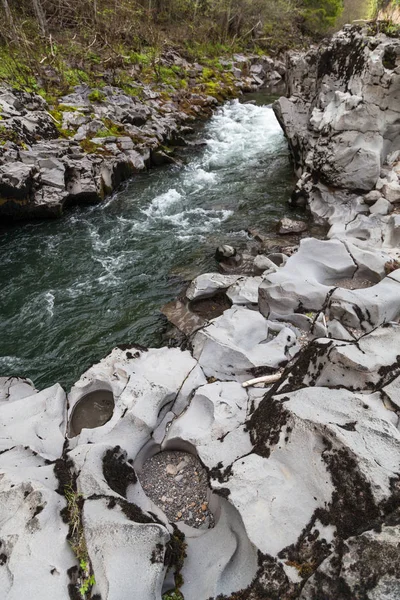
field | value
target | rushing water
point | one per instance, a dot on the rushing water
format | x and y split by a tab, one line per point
97	277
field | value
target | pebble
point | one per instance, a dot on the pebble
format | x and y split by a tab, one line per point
177	483
171	470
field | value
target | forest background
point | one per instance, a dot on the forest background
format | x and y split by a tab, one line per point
48	46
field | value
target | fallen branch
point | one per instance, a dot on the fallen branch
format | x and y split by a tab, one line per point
53	118
266	379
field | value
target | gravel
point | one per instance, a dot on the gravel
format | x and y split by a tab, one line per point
177	483
355	283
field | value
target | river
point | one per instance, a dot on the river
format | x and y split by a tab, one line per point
73	288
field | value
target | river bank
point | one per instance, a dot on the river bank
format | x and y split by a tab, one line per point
82	147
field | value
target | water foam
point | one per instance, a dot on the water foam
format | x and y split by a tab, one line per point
163	203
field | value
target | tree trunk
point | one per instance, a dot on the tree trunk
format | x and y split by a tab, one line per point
8	12
40	16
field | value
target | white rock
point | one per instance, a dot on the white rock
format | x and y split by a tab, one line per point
263	263
244	291
125	555
367	308
238	341
372	197
208	284
37	421
308	276
391	191
381	207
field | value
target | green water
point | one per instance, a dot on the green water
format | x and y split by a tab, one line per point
75	287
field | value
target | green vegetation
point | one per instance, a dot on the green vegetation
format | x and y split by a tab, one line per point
173	596
321	14
77	539
8	135
96	96
50	47
385	9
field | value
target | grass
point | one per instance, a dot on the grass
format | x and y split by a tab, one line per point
77	540
175	595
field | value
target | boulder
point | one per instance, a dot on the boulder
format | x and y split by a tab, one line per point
307	278
367	308
381	207
287	226
207	284
244	291
232	345
364	566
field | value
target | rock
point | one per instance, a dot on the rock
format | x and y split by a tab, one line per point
307	278
372	197
111	534
182	317
381	207
287	226
224	553
32	441
238	341
16	181
159	158
281	451
244	291
367	308
206	285
366	565
171	470
53	177
362	365
35	420
337	121
391	192
263	263
225	252
217	412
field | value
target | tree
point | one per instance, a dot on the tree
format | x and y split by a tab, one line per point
40	16
8	13
320	15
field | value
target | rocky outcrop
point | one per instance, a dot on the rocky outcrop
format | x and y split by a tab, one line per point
303	476
341	119
81	149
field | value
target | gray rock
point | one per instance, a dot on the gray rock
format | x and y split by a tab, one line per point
381	207
16	180
340	123
307	278
391	191
372	197
366	565
244	291
206	285
287	226
238	341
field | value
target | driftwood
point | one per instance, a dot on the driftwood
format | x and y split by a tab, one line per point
266	379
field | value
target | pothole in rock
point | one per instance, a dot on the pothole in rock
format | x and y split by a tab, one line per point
210	308
177	483
355	283
92	410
